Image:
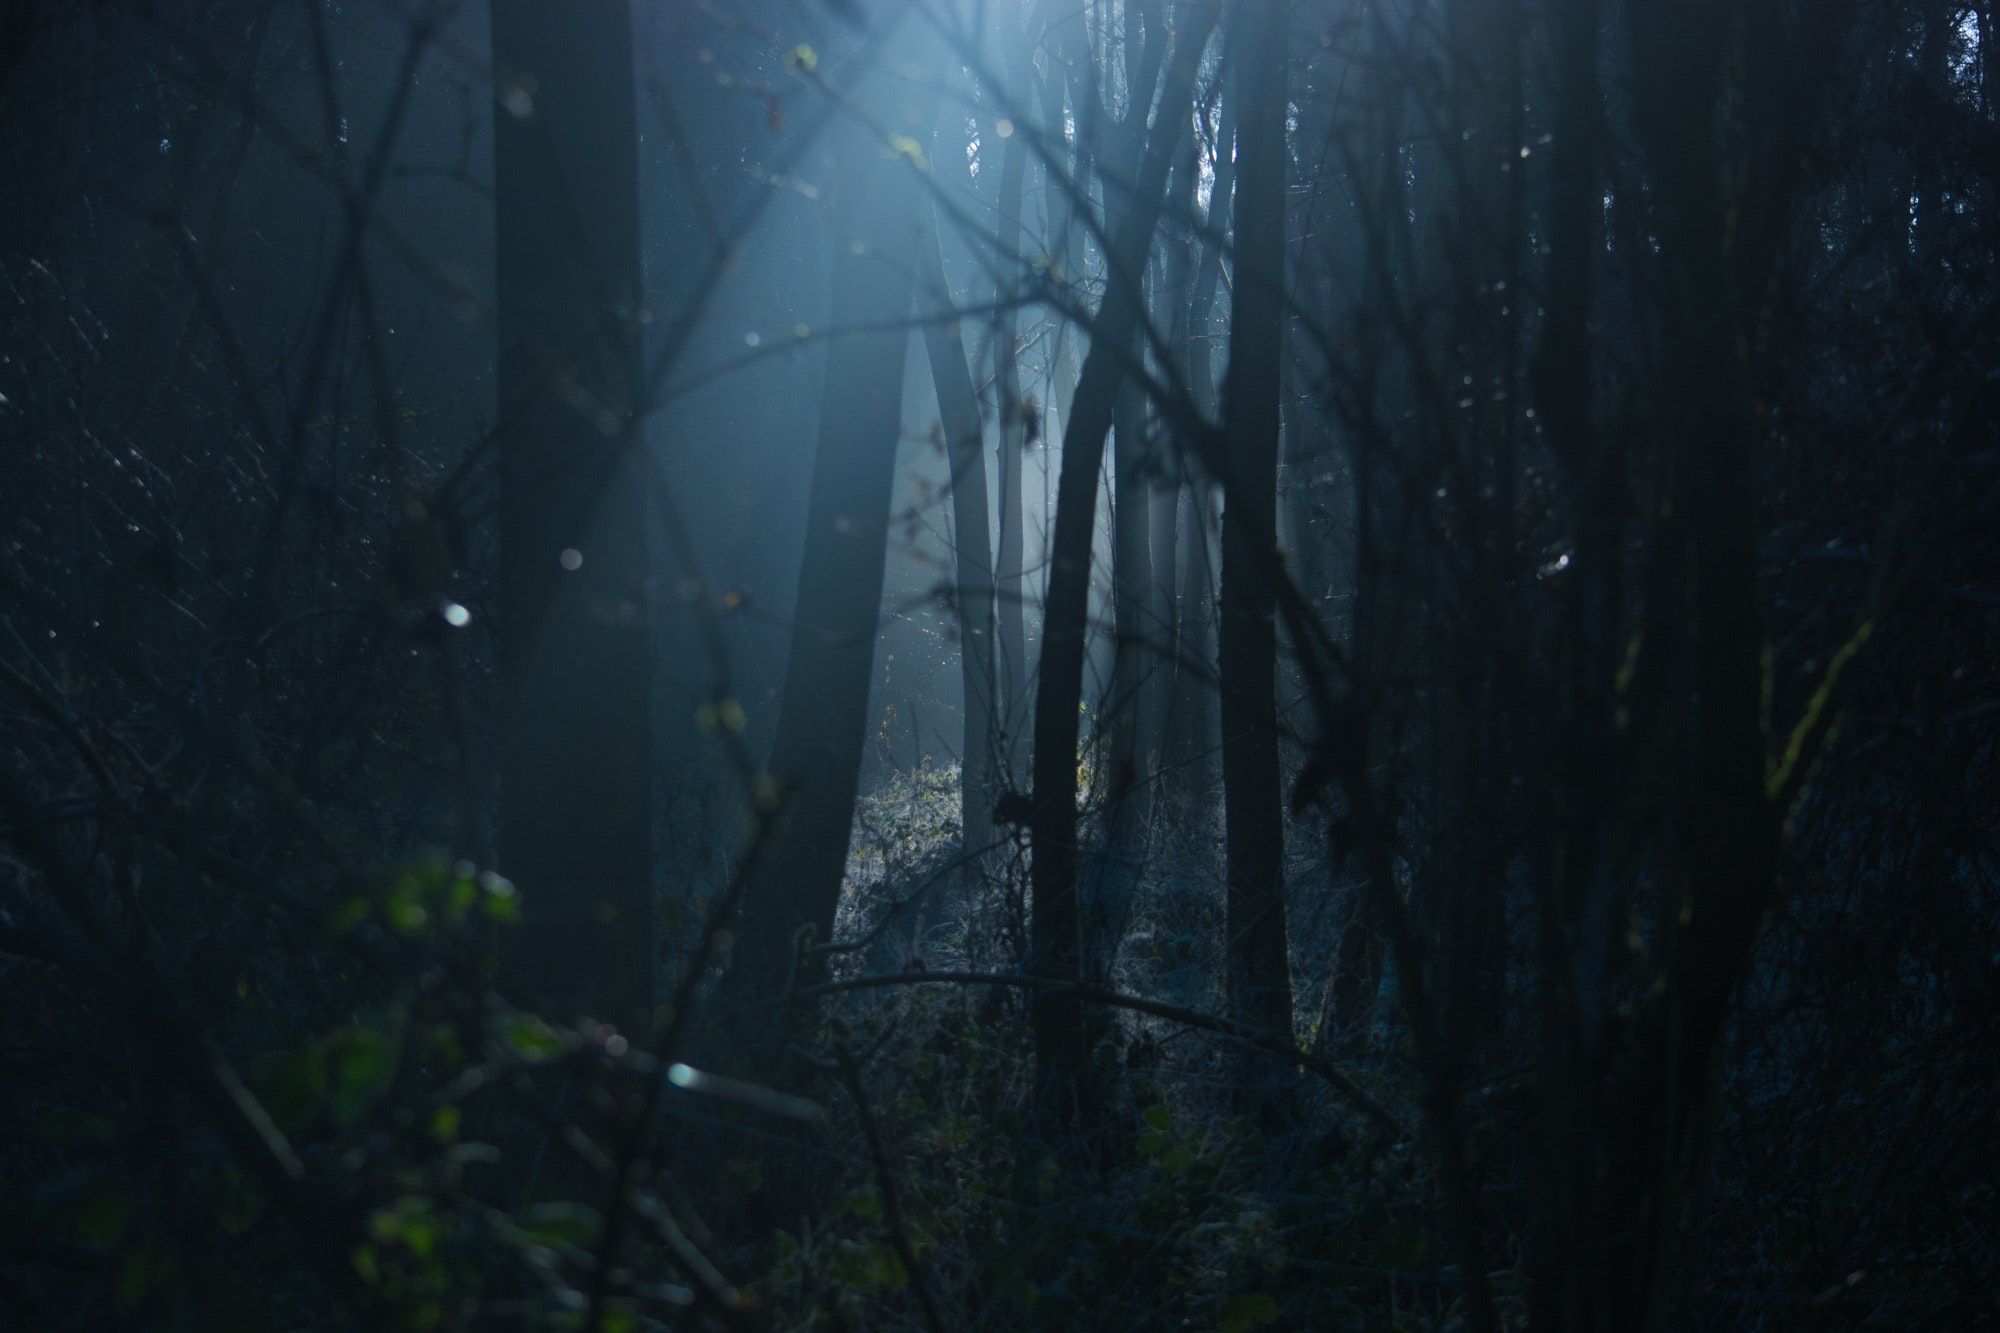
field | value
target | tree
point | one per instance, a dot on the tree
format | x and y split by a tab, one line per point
878	211
1736	791
1137	650
972	555
1633	665
1055	929
1194	735
576	761
1014	407
1259	956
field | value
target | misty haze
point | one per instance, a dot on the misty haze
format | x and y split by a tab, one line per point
999	664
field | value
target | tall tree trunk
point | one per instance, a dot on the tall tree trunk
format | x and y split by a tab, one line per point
1305	434
1066	120
1567	1290
878	214
1055	934
1483	215
1259	957
576	725
1194	723
1195	734
1135	658
1128	785
1175	285
1379	638
972	552
1684	57
1156	693
1013	415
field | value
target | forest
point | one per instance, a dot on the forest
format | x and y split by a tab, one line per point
999	664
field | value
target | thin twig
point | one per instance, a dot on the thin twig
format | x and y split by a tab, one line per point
892	1205
1257	1038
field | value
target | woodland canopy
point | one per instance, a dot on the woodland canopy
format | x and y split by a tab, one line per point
986	664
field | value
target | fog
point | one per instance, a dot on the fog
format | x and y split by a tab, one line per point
1091	664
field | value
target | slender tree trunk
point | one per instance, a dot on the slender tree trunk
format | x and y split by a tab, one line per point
878	215
1305	455
1156	694
1195	738
1134	650
576	729
1259	956
1480	211
1683	58
1064	24
972	553
1379	639
1055	934
1568	1290
1174	287
1011	567
1194	727
1135	657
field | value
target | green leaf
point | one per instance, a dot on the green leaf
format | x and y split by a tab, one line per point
444	1123
889	1272
236	1200
530	1038
444	1041
103	1216
460	897
555	1224
411	1222
405	913
498	899
364	1067
1157	1117
146	1270
1240	1314
349	915
902	145
294	1088
863	1204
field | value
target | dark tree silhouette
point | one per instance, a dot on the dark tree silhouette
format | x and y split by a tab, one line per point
1056	936
972	553
1585	921
576	733
879	214
1259	957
